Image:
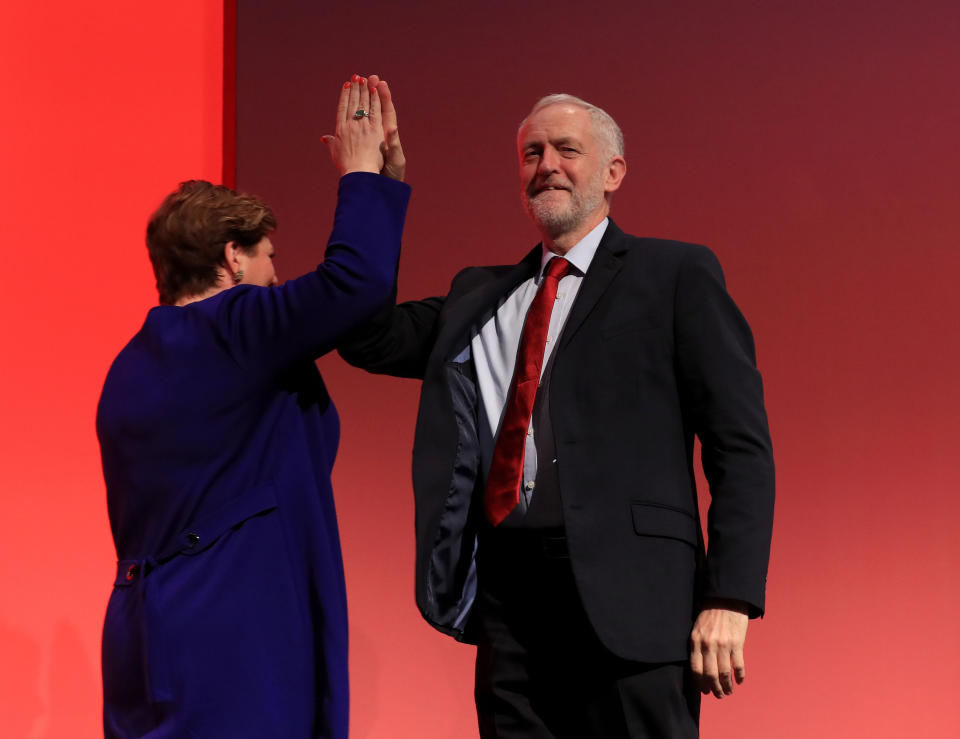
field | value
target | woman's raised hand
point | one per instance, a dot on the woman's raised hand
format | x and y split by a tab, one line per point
358	144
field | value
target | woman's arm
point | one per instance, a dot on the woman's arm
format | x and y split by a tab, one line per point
270	328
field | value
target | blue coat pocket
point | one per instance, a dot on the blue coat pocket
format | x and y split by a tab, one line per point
208	527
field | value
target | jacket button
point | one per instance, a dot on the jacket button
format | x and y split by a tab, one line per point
131	572
193	539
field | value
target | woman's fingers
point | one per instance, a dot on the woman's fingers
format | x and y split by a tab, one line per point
363	102
354	99
358	143
343	104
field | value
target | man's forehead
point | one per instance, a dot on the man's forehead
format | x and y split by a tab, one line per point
560	120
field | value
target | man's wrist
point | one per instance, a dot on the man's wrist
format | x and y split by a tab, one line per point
727	604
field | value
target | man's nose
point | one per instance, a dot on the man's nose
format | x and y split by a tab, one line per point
548	161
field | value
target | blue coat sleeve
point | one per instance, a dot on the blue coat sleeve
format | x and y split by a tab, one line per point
269	328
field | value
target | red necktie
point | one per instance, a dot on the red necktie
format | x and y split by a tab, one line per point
506	468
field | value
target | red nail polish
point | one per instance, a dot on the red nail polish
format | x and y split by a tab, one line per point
363	81
354	78
346	85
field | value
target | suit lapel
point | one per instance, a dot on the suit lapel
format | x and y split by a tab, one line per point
604	267
472	306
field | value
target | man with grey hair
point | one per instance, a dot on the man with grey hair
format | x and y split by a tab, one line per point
557	517
605	129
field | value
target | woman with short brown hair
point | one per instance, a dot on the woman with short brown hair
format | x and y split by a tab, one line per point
228	614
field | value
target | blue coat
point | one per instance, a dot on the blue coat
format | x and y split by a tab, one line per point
228	616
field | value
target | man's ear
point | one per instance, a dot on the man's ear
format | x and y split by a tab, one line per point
616	171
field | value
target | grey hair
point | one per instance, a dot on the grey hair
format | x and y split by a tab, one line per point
604	127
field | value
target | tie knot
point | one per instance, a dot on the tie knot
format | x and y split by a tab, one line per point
557	268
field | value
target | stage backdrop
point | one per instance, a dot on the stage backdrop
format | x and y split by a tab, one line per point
811	145
814	147
104	108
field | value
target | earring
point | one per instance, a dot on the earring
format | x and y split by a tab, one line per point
238	277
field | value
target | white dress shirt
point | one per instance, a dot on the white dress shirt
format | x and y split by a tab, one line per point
495	344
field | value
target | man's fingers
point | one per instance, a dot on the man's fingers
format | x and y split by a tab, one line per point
696	662
724	671
388	111
703	664
711	675
375	108
739	666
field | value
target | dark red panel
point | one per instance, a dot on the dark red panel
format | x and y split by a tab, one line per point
813	146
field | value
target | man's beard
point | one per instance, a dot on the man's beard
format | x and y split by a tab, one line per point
555	219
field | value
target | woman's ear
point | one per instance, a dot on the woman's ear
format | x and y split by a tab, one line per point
232	260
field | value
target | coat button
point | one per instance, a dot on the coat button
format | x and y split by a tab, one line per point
193	539
131	572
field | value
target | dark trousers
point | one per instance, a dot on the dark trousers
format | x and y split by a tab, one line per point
541	671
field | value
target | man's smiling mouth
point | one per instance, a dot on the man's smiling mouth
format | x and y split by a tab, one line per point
549	188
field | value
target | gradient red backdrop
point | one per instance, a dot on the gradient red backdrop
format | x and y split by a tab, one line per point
812	145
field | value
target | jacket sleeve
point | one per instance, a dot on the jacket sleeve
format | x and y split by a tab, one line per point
723	396
270	328
397	341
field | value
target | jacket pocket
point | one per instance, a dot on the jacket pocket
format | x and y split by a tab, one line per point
655	519
209	527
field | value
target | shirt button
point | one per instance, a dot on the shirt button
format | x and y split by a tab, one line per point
530	432
530	485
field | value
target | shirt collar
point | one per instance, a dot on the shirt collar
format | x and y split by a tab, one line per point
581	254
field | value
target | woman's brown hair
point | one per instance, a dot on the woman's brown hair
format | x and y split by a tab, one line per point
187	234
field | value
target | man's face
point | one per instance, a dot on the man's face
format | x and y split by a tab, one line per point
562	169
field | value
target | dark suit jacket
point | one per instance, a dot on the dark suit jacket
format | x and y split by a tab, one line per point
654	352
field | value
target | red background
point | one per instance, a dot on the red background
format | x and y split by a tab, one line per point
812	145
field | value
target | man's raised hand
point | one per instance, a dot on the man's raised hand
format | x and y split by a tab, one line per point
394	162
